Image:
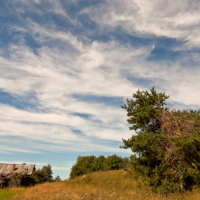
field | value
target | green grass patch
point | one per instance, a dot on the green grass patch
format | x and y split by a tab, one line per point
7	193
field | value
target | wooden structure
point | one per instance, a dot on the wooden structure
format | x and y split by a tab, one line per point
15	175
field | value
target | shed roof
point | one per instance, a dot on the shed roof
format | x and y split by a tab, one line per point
6	169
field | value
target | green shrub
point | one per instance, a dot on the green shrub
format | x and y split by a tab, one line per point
42	175
83	166
113	162
88	164
126	162
98	163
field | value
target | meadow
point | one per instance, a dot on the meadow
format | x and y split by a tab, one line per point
109	185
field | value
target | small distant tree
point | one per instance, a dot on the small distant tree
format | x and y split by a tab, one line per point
113	162
166	145
57	179
98	163
42	175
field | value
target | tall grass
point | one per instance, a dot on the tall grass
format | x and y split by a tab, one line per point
111	185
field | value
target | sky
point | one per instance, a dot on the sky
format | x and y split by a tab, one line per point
67	66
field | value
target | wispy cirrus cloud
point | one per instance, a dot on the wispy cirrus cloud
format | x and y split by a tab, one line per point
96	68
171	19
64	73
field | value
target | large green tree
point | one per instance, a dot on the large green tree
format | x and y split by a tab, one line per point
166	143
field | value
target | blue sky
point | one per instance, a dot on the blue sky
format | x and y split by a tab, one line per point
67	66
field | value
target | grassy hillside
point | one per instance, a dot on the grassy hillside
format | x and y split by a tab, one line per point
110	185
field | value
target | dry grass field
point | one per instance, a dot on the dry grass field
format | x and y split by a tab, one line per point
111	185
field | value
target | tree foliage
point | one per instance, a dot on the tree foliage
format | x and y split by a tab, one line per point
113	162
98	163
84	165
42	175
166	143
88	164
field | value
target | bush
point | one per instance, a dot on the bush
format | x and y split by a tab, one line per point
83	166
113	162
42	175
88	164
98	163
126	162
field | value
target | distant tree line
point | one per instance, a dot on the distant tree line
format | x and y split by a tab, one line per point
88	164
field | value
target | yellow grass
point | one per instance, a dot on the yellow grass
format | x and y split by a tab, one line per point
111	185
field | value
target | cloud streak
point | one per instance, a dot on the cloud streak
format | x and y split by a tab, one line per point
171	19
60	78
54	75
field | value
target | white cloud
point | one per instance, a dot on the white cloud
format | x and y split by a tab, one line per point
60	168
173	19
74	67
143	18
